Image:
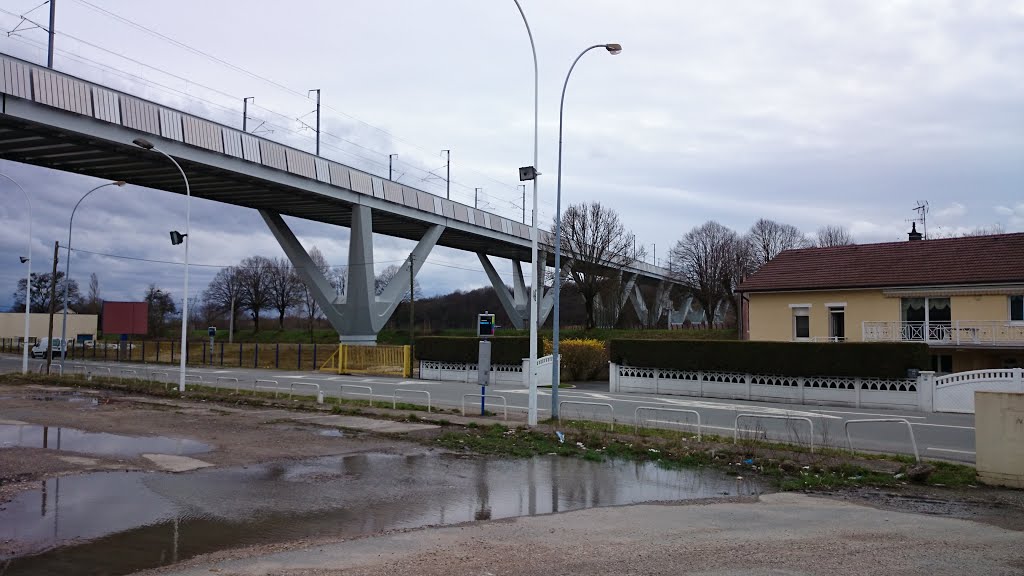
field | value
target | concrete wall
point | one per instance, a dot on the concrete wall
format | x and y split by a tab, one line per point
12	325
999	438
771	317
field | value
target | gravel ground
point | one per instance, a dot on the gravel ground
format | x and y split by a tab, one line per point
782	534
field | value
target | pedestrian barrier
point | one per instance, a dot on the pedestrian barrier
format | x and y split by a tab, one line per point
394	398
81	367
913	441
611	410
369	393
736	426
256	384
229	379
637	421
291	387
125	371
349	359
504	402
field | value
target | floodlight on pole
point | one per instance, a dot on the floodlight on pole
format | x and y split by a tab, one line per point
537	277
147	145
555	359
28	274
67	274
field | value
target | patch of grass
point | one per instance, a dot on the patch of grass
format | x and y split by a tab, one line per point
952	475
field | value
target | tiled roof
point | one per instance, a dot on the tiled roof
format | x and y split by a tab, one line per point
995	259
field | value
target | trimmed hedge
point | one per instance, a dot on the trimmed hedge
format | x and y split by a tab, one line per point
458	349
851	359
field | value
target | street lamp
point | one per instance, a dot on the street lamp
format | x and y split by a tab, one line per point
67	274
28	275
555	364
147	145
532	174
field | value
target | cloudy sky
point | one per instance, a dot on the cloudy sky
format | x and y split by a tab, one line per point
807	112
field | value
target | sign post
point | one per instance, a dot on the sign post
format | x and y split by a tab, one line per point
212	331
484	330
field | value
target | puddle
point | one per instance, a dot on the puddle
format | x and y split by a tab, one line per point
330	432
136	521
72	440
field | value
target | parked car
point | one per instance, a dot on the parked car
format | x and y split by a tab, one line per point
56	347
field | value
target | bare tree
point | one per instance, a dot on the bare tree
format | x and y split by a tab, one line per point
93	303
387	275
829	236
309	302
709	260
768	238
285	288
595	245
224	293
255	276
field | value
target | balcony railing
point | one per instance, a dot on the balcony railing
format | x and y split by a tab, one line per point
957	333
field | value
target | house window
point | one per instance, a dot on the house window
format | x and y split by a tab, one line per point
942	363
837	323
1017	308
801	323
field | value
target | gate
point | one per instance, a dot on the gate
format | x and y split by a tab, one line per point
955	392
349	359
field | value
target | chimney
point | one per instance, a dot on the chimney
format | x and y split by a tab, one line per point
914	235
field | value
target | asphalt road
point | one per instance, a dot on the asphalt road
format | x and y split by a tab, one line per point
944	436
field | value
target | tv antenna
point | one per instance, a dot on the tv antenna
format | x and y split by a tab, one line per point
922	209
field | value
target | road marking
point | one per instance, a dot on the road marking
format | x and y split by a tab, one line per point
951	450
872	414
942	425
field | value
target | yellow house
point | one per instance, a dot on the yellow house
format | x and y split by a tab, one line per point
964	297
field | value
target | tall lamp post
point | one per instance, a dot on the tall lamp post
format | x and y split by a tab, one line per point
177	238
555	360
531	173
67	274
28	275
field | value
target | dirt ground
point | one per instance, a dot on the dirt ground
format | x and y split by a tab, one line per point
844	531
237	435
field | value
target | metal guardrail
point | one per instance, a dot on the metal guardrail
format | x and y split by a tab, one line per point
229	379
341	391
504	401
291	388
913	441
611	410
256	384
636	417
394	398
736	425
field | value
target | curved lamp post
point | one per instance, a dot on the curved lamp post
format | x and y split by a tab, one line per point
67	274
176	238
555	360
531	418
28	275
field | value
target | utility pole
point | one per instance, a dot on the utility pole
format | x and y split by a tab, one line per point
390	165
448	177
245	112
49	50
412	299
476	197
523	186
317	118
53	296
655	254
231	321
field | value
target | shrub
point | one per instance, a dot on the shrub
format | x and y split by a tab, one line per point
867	360
582	359
466	350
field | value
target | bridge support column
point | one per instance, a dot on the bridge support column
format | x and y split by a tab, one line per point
359	314
514	302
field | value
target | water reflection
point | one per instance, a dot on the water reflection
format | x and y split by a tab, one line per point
72	440
136	521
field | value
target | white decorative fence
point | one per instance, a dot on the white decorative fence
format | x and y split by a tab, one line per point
508	374
833	391
955	392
